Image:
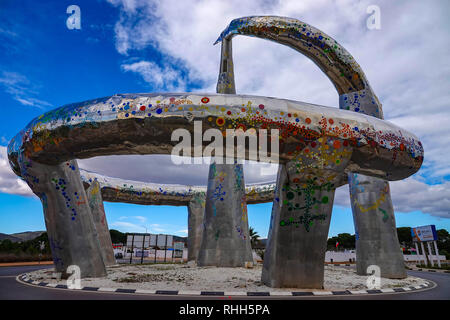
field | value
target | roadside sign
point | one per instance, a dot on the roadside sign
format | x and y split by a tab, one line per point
424	233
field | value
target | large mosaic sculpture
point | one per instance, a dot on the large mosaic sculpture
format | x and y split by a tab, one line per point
318	148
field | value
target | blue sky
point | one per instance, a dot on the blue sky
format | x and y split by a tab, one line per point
129	46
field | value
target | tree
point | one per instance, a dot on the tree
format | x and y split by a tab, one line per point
253	236
345	240
404	236
117	236
443	242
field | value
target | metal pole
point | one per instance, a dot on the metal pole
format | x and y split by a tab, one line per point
156	246
425	259
142	253
437	253
417	252
132	244
165	250
431	253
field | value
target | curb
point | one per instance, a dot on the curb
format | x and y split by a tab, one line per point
427	284
429	270
26	263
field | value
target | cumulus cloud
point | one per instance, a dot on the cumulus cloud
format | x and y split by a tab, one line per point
9	182
160	78
160	169
20	88
127	226
411	195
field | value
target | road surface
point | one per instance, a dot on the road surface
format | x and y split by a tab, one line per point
10	289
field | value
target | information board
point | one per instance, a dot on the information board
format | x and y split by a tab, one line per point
424	233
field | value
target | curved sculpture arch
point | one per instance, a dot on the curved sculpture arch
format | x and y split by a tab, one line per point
333	59
138	192
121	124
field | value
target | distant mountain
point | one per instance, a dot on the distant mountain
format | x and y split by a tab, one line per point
27	235
4	236
21	236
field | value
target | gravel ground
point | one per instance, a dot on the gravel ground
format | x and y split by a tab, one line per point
184	277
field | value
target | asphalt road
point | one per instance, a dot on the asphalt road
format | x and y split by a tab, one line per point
10	289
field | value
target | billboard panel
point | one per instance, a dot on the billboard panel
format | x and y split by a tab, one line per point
178	245
137	242
424	233
153	240
162	240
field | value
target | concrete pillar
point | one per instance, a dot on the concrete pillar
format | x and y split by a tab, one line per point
196	212
376	234
431	254
298	233
379	244
225	82
437	254
68	218
101	225
225	239
418	253
425	256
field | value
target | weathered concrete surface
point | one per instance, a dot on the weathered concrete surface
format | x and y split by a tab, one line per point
101	225
225	240
298	233
196	212
68	218
225	82
376	233
376	237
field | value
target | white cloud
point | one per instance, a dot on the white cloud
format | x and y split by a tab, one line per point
9	182
160	169
127	226
20	88
411	195
140	218
159	78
